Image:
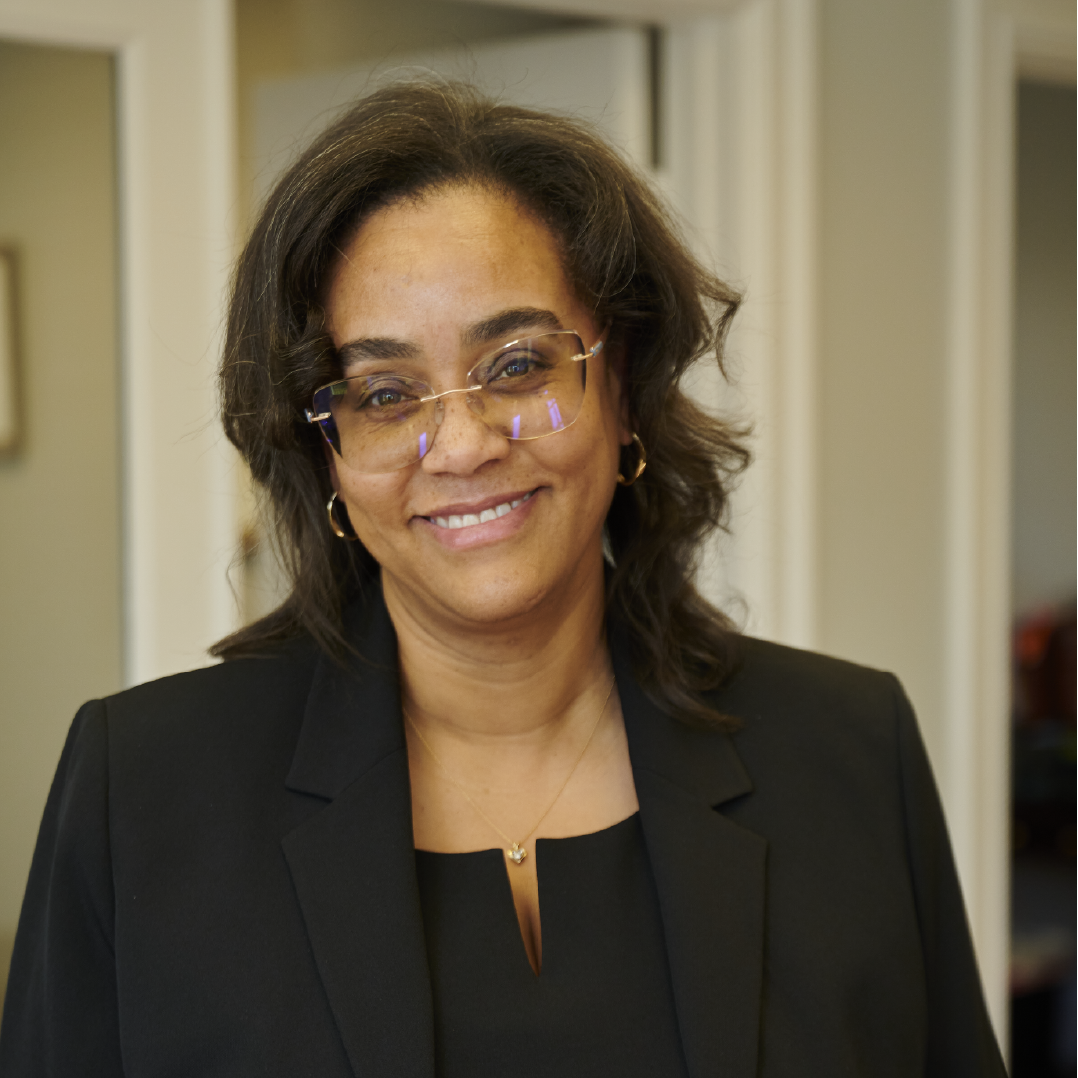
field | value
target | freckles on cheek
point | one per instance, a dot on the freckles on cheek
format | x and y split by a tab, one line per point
376	509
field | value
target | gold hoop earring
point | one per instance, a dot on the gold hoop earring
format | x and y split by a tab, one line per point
641	464
338	531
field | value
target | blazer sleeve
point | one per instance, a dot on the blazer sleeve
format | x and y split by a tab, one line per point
60	1013
960	1042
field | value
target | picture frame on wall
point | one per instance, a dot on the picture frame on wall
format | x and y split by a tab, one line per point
11	413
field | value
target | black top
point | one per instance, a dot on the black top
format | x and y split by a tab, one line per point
603	1004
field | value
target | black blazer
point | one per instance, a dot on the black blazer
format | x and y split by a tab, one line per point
224	882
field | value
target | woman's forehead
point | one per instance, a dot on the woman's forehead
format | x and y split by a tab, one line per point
449	266
457	230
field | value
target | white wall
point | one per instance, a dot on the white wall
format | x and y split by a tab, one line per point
282	39
883	339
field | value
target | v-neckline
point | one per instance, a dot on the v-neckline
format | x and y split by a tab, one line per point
485	858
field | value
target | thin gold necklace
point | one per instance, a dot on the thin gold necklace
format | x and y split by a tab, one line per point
515	850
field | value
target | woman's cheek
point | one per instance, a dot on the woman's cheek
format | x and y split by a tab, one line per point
376	509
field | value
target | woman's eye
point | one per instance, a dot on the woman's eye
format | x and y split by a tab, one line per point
380	398
515	366
383	397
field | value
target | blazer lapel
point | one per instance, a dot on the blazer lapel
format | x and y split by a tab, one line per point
352	863
353	867
709	875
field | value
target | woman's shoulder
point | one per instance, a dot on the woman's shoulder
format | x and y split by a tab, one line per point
188	760
837	765
261	679
777	674
254	702
798	703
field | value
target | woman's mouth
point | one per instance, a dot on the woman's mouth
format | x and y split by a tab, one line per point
468	520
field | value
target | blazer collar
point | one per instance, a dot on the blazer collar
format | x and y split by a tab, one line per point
709	875
354	868
352	719
353	863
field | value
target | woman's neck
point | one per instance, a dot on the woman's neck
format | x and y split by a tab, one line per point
524	681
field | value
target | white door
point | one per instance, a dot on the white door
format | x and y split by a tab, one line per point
598	75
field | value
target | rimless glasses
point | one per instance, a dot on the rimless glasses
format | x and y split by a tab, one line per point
529	388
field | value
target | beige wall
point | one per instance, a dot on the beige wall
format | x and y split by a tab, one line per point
60	633
882	348
1043	529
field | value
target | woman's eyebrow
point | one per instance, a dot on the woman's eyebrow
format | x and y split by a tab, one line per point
505	323
497	327
377	348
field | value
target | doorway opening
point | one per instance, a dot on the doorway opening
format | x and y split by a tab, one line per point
1043	589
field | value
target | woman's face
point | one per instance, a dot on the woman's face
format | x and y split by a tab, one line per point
425	281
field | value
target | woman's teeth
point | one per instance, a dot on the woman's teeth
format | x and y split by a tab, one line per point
469	519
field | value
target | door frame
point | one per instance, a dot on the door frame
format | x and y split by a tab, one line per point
994	43
175	123
740	123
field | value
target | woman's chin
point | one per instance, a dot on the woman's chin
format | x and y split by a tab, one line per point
488	598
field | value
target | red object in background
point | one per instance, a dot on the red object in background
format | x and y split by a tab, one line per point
1043	744
1045	669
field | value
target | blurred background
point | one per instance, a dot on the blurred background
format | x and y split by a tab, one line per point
892	184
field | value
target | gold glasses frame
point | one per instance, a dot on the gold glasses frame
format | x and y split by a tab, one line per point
324	418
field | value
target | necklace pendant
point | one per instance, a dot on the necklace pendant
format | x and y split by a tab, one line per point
516	853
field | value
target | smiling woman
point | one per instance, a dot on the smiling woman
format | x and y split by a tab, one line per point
423	198
495	791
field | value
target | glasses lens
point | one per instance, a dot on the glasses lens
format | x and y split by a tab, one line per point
532	387
378	423
527	389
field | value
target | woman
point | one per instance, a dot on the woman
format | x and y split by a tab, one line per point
495	792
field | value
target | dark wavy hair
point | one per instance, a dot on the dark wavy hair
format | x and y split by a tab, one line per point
623	256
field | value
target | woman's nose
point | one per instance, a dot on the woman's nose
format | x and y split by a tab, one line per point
463	442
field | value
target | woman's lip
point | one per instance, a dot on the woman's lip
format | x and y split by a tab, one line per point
475	508
460	536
